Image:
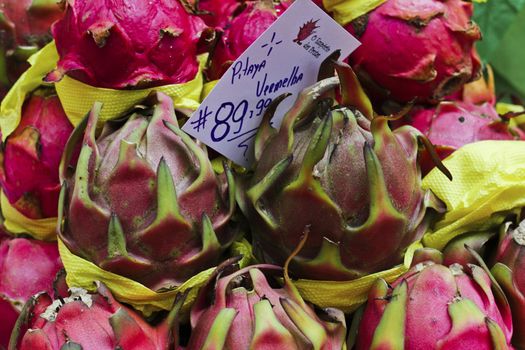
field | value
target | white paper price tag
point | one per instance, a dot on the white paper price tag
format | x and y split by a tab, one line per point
284	59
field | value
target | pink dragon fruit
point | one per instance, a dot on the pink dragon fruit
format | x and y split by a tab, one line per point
127	44
90	322
26	267
246	312
243	30
31	156
453	124
416	50
509	271
24	28
217	14
436	307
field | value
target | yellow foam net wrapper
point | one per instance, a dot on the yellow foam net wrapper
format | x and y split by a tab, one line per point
349	295
489	183
82	273
345	11
77	99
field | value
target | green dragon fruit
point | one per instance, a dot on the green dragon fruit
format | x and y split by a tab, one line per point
37	145
436	307
353	182
24	28
416	50
127	44
509	272
247	312
86	321
26	267
144	201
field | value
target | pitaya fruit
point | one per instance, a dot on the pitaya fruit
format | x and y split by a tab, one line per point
436	307
354	183
243	30
127	44
453	124
509	272
26	267
457	251
243	310
144	201
90	322
24	28
416	50
31	156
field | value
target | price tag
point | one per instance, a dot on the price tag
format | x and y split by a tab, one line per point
284	59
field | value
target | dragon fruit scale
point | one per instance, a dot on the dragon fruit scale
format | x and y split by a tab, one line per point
26	267
31	156
143	200
436	307
123	44
416	50
89	322
353	182
509	272
247	312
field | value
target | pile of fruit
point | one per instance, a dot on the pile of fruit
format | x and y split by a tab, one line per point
386	212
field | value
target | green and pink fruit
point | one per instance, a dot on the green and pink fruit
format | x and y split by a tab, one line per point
416	50
244	310
509	271
24	28
127	44
31	156
355	183
436	307
143	200
89	322
27	267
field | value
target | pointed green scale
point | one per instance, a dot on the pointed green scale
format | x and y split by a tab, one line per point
329	257
268	330
496	333
266	131
218	332
352	92
311	328
116	239
390	333
167	204
503	274
205	167
258	190
210	242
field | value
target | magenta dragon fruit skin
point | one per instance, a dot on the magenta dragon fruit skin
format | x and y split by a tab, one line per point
416	50
217	14
123	44
243	30
26	267
31	156
436	307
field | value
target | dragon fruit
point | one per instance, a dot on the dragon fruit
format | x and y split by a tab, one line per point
89	321
436	307
508	271
246	312
36	145
26	267
243	30
24	28
453	124
355	183
416	50
143	200
127	44
217	14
